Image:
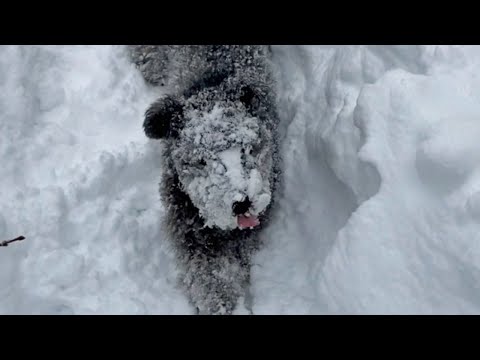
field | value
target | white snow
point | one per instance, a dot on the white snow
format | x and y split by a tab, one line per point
380	212
79	181
232	159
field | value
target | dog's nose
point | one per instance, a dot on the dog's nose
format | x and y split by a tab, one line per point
241	207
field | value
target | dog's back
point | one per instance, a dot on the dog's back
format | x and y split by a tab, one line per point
180	66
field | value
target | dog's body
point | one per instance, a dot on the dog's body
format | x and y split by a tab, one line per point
221	161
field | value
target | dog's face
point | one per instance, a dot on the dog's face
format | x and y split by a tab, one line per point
223	158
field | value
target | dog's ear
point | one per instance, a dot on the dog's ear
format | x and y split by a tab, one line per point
163	118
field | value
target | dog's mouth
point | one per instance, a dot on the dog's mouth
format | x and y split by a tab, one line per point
247	220
247	214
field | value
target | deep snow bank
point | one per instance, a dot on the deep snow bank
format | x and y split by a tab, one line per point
79	180
398	126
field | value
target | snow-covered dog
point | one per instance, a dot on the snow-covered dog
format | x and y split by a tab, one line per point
221	162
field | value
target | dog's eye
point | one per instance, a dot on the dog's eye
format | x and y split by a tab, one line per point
246	151
247	95
196	168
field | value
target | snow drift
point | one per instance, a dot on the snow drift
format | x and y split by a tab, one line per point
379	212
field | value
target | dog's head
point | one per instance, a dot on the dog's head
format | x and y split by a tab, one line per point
222	155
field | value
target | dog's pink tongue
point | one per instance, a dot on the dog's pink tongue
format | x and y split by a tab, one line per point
247	222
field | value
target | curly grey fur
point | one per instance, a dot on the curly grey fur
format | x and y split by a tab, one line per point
215	263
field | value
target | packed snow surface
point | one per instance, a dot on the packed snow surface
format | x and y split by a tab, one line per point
379	212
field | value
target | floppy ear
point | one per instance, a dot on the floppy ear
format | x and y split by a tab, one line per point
163	118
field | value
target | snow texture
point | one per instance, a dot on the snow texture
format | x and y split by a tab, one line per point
379	212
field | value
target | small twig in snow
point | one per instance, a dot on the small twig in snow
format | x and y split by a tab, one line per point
6	242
